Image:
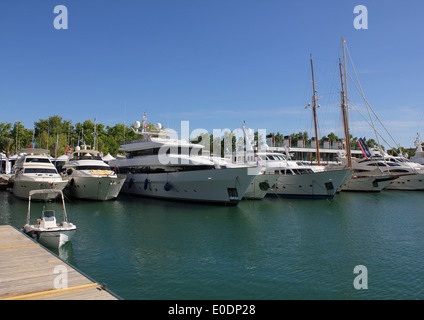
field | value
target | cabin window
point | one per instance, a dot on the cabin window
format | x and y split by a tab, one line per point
38	160
40	170
92	168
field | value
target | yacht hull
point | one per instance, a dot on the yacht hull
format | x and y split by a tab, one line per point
322	184
368	184
220	186
407	182
50	238
94	188
21	188
260	186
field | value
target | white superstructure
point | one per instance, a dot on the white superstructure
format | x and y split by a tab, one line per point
159	167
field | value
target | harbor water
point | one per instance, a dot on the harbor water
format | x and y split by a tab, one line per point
271	249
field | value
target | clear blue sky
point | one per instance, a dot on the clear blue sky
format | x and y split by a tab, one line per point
212	62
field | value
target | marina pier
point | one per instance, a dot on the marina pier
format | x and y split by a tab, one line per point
31	272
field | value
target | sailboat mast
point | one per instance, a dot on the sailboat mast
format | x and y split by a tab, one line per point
345	75
345	121
314	107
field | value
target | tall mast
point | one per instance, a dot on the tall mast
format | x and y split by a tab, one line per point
345	121
345	75
314	107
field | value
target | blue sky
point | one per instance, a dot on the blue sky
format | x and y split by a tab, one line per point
213	63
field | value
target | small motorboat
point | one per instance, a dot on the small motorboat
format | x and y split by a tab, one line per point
47	231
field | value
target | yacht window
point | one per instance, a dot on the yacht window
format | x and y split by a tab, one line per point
184	151
92	168
40	170
143	152
377	164
393	164
38	160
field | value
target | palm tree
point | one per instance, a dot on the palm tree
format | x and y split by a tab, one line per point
7	143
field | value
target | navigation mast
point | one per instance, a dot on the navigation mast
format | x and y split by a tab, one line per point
314	107
344	105
345	121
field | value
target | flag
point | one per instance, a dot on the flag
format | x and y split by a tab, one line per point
365	151
67	149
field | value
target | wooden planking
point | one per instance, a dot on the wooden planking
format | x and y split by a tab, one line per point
27	271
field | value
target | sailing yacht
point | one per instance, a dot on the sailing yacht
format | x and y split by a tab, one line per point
90	177
34	171
160	167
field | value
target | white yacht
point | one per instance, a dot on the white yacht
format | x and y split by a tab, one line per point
90	177
34	171
365	180
298	180
159	167
409	175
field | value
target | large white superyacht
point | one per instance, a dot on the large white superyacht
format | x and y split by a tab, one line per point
34	171
90	177
160	167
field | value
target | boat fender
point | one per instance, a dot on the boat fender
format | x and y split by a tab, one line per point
264	186
130	183
72	182
167	186
146	183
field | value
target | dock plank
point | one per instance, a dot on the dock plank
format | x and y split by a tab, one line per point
29	271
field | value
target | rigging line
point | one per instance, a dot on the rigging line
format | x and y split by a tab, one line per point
369	123
367	104
362	93
372	124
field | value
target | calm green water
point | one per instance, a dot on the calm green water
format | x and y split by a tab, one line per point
269	249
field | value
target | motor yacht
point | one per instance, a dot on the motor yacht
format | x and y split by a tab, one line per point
174	169
409	175
33	171
90	177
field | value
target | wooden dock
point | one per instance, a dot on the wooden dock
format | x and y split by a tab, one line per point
28	271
